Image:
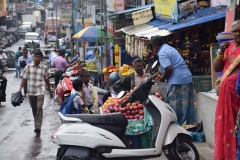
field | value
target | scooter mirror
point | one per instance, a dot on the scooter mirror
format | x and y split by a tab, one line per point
121	94
154	64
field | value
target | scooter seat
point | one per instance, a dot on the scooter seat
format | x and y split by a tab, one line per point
115	119
101	91
115	123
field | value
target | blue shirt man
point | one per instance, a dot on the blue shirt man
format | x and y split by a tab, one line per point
169	56
180	87
24	59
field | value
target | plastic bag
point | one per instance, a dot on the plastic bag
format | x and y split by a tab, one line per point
17	98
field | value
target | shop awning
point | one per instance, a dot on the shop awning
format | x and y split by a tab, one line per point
144	30
133	9
200	16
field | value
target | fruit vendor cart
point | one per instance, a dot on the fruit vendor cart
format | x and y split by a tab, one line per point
138	132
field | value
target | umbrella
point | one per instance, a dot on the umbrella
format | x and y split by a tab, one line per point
92	34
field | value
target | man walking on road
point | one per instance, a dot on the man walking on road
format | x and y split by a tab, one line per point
24	60
37	76
17	55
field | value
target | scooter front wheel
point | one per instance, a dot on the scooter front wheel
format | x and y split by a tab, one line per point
182	148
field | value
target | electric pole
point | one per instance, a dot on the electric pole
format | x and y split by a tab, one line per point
72	29
83	9
56	26
105	33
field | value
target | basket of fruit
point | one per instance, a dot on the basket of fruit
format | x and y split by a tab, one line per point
108	70
139	119
126	70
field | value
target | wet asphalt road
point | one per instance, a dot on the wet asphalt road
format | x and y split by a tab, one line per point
18	141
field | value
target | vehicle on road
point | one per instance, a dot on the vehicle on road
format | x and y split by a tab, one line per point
50	6
32	36
29	19
23	29
3	64
101	137
10	58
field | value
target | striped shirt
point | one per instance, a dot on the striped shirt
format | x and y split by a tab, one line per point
35	76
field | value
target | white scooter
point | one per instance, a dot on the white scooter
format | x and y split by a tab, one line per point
101	137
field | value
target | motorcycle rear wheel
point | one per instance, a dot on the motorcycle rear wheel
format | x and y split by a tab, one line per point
182	148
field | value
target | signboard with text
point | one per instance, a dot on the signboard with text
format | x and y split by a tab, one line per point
166	9
65	18
119	5
230	15
142	16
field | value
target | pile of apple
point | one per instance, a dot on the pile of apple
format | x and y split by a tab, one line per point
130	110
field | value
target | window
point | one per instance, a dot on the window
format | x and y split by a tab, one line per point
31	37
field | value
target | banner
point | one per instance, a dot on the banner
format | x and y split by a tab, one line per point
166	9
65	19
230	15
142	16
119	5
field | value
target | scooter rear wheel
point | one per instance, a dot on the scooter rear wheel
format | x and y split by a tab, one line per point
182	148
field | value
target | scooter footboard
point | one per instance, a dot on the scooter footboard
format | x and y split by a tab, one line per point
172	132
74	152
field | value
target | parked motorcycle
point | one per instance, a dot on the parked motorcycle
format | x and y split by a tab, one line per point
3	65
101	137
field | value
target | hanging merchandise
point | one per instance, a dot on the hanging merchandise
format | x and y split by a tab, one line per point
116	54
135	47
128	44
132	46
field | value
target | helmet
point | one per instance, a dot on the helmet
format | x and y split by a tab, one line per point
114	77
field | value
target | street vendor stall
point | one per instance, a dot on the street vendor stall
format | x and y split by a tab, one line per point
138	131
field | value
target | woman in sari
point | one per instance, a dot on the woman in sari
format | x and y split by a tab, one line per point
227	61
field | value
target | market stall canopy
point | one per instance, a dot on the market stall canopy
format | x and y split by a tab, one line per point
93	34
164	28
144	30
132	9
200	16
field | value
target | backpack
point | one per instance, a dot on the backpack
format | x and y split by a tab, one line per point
23	64
68	106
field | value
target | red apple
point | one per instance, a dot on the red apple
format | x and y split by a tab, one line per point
133	112
131	117
135	107
140	106
158	94
128	112
141	112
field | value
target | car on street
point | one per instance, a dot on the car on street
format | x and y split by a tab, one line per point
50	6
10	58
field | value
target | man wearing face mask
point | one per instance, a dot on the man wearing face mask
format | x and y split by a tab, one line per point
133	80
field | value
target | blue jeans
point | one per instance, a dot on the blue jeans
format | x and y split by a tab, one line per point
18	72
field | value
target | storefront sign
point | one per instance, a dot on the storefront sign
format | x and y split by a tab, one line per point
166	9
110	5
187	6
65	18
230	15
142	16
119	5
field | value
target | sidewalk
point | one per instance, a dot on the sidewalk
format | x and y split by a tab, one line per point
205	152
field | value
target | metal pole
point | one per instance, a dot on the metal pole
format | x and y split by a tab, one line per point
72	29
56	27
83	9
105	34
